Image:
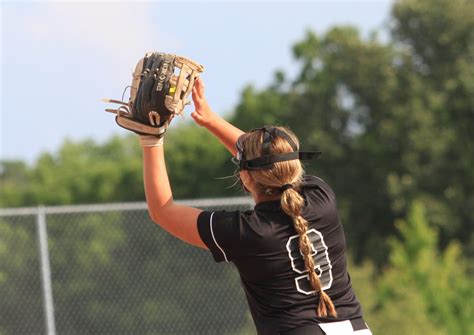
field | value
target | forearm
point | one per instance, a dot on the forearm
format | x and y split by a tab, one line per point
180	221
225	132
157	186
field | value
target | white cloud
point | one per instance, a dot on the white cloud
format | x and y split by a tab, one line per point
122	30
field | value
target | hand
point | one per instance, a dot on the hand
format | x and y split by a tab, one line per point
203	115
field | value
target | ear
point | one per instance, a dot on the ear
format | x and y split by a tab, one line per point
247	181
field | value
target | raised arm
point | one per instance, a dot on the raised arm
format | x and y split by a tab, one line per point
178	220
181	221
204	116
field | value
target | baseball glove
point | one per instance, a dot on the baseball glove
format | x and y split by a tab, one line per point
157	93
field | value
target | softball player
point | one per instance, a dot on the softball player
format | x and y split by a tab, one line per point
289	250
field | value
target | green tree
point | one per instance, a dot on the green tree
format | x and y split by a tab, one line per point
89	172
439	35
15	188
423	290
198	164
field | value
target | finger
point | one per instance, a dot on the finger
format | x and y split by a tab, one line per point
194	95
200	88
196	88
198	100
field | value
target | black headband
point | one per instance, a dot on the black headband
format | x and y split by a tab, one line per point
267	160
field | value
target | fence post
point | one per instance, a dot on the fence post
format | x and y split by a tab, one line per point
45	271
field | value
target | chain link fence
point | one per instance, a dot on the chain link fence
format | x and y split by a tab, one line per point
108	269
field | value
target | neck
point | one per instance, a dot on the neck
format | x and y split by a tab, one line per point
265	197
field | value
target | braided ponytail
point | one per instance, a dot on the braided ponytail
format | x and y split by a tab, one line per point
280	180
292	203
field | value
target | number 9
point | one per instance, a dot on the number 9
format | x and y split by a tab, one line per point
322	264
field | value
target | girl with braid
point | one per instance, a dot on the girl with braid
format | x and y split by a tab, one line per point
289	250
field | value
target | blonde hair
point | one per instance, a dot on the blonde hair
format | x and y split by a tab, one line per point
270	181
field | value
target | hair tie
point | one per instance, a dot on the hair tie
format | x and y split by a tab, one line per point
285	187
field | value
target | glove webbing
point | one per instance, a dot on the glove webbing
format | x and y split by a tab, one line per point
183	84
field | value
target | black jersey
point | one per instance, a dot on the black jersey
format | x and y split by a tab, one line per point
263	245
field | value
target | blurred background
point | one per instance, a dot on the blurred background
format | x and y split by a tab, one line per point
384	88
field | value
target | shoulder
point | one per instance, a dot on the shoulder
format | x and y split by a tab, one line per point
320	199
313	184
222	231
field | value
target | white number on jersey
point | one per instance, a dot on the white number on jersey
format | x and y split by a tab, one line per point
322	264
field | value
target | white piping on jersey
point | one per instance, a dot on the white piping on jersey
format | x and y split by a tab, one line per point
212	233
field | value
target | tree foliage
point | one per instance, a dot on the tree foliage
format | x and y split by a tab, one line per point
429	285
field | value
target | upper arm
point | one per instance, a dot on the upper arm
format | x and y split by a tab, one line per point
181	222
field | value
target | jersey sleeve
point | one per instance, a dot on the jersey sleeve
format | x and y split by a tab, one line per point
220	231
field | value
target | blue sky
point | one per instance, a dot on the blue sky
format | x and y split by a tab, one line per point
59	59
